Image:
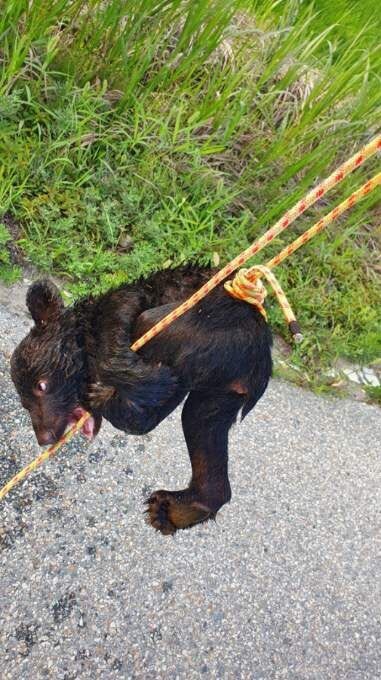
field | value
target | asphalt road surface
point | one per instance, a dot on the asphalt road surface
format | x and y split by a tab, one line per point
286	584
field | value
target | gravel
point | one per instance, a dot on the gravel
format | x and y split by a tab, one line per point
285	584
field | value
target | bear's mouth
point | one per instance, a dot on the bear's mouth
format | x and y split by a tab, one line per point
88	428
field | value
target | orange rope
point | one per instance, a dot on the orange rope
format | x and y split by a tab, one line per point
348	203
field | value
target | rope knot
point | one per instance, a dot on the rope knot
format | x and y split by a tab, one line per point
251	290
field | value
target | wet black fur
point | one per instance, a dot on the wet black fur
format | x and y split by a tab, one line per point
218	354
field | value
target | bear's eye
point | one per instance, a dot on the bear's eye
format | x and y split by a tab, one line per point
42	386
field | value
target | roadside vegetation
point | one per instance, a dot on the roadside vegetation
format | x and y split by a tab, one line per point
141	134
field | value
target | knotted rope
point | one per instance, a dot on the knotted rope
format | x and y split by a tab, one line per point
247	284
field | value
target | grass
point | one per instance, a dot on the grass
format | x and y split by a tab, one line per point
348	17
375	394
138	135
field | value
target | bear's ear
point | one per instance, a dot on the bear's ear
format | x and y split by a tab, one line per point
44	302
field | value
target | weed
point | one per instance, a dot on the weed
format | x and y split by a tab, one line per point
374	393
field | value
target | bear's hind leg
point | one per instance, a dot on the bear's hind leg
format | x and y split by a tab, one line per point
207	418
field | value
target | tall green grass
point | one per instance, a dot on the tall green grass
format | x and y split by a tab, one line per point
140	134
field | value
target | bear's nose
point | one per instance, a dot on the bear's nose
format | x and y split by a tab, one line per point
47	437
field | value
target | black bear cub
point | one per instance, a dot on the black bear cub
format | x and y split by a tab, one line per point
217	357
